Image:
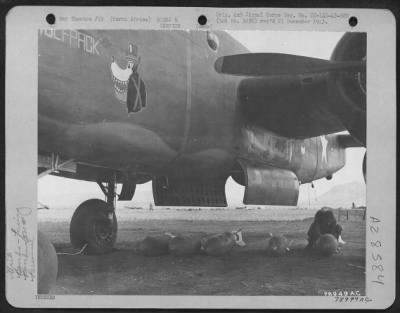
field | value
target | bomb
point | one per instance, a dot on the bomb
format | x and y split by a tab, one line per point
153	246
324	223
183	245
47	264
278	246
327	245
221	244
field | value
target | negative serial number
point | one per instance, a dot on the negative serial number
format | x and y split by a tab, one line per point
363	299
377	269
45	297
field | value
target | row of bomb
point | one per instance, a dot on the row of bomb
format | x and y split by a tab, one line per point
221	244
324	236
215	245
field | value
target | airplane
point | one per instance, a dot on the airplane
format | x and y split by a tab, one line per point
186	110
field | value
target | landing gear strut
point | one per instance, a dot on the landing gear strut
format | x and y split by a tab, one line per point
94	222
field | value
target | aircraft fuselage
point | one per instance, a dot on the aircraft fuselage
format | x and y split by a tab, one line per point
175	116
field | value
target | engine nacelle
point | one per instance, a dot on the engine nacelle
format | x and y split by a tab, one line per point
347	90
270	186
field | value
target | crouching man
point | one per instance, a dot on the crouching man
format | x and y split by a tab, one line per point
324	223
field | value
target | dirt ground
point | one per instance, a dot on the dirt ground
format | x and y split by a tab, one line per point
245	271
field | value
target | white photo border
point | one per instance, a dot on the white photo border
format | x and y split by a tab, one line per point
22	25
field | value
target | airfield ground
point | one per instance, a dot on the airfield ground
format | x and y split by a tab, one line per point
245	271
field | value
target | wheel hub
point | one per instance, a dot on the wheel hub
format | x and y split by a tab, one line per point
104	230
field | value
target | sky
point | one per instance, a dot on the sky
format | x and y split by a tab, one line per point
52	190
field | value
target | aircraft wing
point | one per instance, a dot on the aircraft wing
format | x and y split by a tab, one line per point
301	97
273	64
294	107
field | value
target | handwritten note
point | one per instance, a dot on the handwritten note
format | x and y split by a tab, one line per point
20	260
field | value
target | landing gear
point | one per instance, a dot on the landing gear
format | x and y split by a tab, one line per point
94	223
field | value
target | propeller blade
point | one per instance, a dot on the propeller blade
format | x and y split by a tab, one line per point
272	64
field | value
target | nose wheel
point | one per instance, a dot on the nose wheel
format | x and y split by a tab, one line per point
94	223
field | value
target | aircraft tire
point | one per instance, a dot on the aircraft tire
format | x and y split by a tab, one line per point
91	225
47	264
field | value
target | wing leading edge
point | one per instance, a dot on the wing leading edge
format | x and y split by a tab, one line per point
273	64
303	97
